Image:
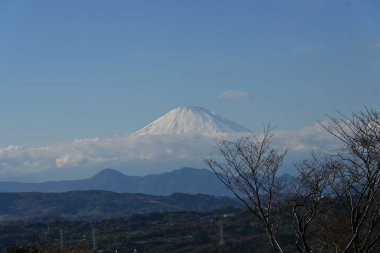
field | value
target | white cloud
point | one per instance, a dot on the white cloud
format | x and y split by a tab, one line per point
70	160
16	160
374	46
305	139
234	94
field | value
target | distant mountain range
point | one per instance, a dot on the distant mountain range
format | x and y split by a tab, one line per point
185	180
101	204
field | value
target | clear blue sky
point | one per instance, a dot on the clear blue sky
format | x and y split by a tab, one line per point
78	69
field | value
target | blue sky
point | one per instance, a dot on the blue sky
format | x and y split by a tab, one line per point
83	69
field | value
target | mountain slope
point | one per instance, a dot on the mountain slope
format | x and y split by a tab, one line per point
191	120
185	180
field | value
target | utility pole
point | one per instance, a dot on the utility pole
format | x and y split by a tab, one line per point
61	241
221	240
94	247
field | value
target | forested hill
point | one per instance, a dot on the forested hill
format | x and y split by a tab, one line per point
101	204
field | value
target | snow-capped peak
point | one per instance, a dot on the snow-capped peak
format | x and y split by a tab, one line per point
191	120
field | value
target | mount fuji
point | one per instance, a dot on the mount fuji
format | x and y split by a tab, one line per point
180	138
183	134
192	120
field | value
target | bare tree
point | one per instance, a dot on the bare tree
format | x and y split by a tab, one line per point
249	170
355	168
307	202
338	190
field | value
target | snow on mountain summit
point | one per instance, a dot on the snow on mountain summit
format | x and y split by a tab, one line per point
191	120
